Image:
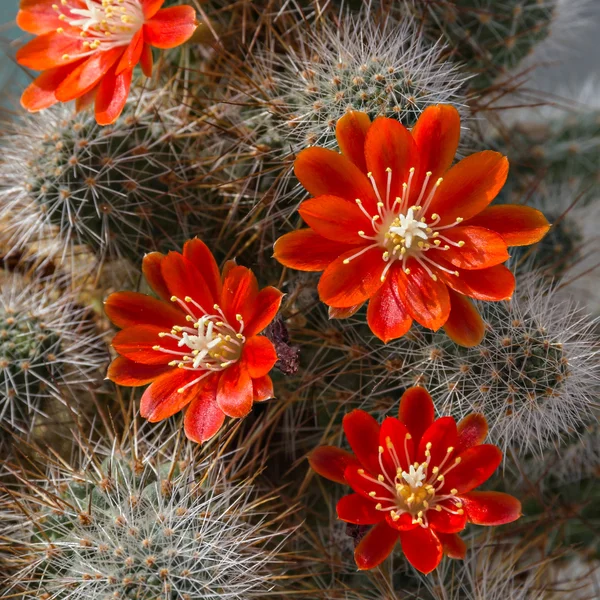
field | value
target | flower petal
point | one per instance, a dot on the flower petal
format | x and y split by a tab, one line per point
162	399
170	27
137	342
362	433
491	508
239	295
476	466
453	545
335	218
41	93
495	283
331	462
151	7
472	430
38	17
356	509
518	225
111	96
266	307
204	418
153	274
422	548
87	75
123	371
389	145
445	521
345	284
344	313
387	315
259	355
351	131
235	393
147	60
50	50
482	248
436	133
262	388
183	279
464	325
198	253
398	447
426	300
375	547
441	434
325	172
416	411
305	250
125	309
132	54
469	186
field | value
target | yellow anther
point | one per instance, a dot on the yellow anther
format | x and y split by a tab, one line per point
358	201
435	216
378	506
173	298
438	508
346	261
188	298
155	347
460	512
461	244
60	30
162	334
408	436
428	445
65	57
459	219
388	170
361	471
361	232
369	174
239	317
380	478
180	391
189	318
454	491
173	363
450	449
216	306
411	170
372	494
457	460
407	271
439	181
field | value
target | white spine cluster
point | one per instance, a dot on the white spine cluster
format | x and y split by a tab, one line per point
48	346
381	66
142	524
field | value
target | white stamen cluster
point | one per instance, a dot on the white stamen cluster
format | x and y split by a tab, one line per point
417	490
403	231
210	344
103	24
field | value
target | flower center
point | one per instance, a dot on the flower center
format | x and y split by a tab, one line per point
414	491
103	24
211	344
404	231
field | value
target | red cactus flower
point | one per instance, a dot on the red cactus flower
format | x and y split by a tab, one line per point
413	479
199	344
392	223
88	48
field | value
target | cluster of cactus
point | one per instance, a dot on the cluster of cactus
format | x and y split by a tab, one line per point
116	507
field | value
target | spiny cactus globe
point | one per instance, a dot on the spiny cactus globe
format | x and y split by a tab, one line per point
144	523
120	190
490	38
47	346
364	62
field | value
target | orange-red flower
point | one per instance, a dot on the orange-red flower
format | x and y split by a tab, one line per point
199	344
392	223
88	48
413	479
